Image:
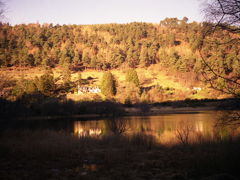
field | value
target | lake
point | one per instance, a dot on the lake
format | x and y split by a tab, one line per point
168	128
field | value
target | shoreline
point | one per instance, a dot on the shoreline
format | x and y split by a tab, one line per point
132	111
108	110
167	110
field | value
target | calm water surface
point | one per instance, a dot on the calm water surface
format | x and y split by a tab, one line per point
165	128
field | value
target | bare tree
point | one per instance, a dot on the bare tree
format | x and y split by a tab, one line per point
228	118
117	125
224	13
223	23
2	10
183	132
222	16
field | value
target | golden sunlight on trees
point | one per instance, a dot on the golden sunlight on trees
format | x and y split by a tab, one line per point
46	83
222	61
108	84
221	36
173	43
132	77
66	76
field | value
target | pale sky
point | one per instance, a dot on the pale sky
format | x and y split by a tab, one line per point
99	11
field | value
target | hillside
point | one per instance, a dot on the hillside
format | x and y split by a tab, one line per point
173	43
166	57
157	84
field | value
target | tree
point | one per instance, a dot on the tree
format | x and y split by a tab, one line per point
85	58
144	60
117	57
46	84
66	75
132	77
169	22
152	52
1	10
64	57
24	87
108	84
76	58
132	57
79	80
222	16
37	58
171	39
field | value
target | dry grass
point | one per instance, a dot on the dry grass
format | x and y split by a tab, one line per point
160	77
58	155
153	73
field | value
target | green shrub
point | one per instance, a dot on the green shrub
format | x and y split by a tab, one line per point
46	83
132	77
108	84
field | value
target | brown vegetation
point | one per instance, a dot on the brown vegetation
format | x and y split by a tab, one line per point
56	155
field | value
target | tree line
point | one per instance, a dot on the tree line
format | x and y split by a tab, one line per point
109	46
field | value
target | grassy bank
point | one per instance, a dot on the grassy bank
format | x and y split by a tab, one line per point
57	155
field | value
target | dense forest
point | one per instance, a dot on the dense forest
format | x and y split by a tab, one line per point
173	43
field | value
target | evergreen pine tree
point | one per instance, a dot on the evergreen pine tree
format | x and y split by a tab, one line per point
46	84
143	57
132	77
66	74
108	84
76	58
79	80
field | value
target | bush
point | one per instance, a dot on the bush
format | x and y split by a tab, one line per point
132	77
46	84
108	84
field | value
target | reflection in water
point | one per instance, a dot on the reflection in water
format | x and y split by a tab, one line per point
91	128
164	128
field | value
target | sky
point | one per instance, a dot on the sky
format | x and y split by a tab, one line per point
99	11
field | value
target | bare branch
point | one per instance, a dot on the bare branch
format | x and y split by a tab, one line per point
117	126
223	15
2	5
228	118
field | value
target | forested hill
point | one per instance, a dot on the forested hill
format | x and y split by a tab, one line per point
172	43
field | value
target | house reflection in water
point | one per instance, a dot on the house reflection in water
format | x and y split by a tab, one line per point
199	126
91	129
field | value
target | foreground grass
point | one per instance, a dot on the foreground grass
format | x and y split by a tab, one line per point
57	155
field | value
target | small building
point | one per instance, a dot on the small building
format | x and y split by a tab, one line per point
86	89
